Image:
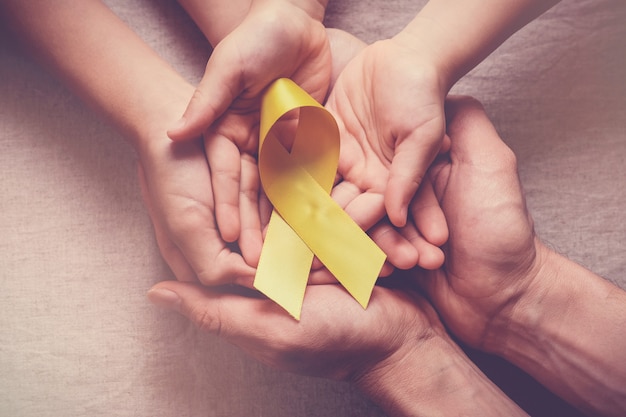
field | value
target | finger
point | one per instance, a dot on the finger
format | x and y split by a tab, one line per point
445	145
258	325
387	269
365	208
474	139
242	316
251	238
195	234
265	209
224	161
213	261
221	84
322	276
344	192
170	252
428	216
411	159
317	264
184	205
229	315
400	252
430	256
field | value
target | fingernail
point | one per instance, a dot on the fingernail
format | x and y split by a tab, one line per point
179	125
164	298
403	215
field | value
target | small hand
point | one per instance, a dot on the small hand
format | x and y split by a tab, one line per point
275	39
405	247
241	210
389	107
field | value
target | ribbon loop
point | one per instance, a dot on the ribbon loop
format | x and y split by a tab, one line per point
306	221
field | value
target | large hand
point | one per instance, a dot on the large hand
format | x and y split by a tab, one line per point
491	255
335	338
396	351
389	106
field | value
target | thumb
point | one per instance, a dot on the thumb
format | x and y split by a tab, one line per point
218	88
213	310
474	139
413	155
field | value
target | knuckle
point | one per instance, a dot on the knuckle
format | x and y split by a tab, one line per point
211	277
205	321
223	269
508	159
199	96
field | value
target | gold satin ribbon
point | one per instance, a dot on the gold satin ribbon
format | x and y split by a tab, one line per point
305	220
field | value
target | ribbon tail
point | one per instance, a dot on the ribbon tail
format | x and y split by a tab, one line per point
284	266
342	246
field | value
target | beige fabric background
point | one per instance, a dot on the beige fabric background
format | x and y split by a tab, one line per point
77	254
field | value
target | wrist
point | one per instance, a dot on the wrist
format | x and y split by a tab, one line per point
525	308
316	9
165	105
567	332
423	39
434	378
538	300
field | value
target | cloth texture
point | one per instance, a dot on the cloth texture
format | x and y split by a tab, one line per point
77	252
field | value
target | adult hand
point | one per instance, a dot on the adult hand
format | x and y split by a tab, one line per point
176	187
502	291
492	253
396	351
335	338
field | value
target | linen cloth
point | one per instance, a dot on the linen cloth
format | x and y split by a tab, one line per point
77	253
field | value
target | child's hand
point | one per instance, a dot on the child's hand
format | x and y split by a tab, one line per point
336	337
416	243
275	39
230	147
389	106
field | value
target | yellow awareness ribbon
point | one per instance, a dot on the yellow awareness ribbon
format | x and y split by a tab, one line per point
306	220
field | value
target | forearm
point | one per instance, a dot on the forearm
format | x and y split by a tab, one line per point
102	60
217	18
456	35
435	380
570	334
314	8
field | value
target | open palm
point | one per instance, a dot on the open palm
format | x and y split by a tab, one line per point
389	108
